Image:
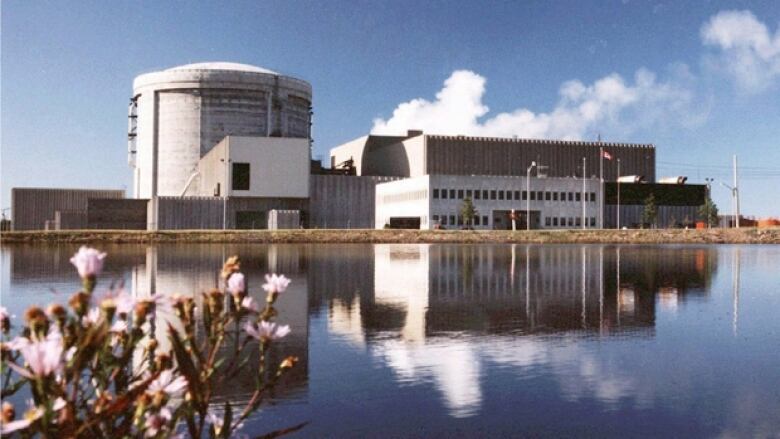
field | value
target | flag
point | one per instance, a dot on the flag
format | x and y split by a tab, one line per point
606	155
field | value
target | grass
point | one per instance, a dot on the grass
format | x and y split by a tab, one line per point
736	236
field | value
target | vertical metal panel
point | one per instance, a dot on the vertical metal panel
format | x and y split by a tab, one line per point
460	155
32	207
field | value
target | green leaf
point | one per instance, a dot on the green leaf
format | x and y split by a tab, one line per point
184	361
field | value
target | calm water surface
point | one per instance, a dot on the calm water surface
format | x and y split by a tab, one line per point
488	340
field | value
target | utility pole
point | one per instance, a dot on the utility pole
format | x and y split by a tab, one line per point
584	174
708	201
618	195
736	193
601	179
528	196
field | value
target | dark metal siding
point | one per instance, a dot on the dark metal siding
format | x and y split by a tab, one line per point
32	207
458	155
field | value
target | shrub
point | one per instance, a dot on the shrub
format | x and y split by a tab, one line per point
93	368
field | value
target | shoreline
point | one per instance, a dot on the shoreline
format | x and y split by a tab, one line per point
324	236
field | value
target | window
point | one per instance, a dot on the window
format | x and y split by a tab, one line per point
571	221
578	222
548	196
554	196
444	220
579	196
476	220
517	195
468	193
485	220
240	176
436	218
571	196
500	195
477	194
460	194
492	195
593	221
452	220
563	196
563	222
444	194
547	221
435	193
525	195
539	195
452	194
533	196
593	197
555	221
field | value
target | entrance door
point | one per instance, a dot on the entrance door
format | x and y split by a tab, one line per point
412	222
502	219
251	219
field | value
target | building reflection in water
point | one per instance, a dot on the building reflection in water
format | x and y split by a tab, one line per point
438	312
192	270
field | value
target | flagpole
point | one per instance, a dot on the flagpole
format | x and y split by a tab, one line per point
601	177
618	195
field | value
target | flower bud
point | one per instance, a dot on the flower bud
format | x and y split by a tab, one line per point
5	320
288	363
109	308
9	413
163	361
36	320
232	265
142	309
80	303
215	301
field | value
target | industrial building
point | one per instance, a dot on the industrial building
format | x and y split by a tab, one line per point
228	146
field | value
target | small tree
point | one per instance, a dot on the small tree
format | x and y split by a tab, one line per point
468	212
650	212
708	212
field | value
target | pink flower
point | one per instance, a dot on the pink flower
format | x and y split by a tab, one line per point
250	304
157	422
119	326
123	301
266	331
236	283
167	384
43	357
92	317
88	261
275	283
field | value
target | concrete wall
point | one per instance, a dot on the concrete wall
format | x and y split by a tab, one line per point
342	202
279	167
404	159
32	207
184	213
407	198
184	112
284	219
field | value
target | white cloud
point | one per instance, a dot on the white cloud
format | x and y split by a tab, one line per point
610	104
746	48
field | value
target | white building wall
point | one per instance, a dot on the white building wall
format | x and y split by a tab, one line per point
493	197
279	167
403	198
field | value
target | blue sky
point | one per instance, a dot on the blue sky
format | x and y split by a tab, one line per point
700	80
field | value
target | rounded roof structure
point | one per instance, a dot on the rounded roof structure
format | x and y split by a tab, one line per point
226	66
219	75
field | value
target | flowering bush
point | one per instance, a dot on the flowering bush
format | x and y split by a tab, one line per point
95	368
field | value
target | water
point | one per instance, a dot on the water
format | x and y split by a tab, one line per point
488	340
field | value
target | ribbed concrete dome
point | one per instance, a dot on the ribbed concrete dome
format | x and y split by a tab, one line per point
229	66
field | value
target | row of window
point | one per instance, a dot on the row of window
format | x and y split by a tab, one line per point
457	220
485	194
554	221
406	196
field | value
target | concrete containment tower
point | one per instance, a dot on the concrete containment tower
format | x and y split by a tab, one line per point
177	115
